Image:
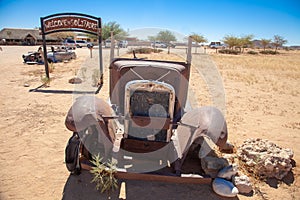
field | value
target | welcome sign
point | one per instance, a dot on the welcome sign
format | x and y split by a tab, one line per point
62	23
71	22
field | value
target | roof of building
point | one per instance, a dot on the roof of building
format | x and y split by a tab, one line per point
20	33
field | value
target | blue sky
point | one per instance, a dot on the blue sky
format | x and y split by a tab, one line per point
213	19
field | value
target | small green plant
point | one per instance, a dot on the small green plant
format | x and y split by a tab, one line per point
104	175
45	80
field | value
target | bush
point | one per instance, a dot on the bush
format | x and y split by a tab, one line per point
145	50
252	52
229	51
269	52
157	50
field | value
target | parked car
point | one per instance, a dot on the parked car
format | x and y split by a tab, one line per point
69	43
83	43
107	43
216	45
53	55
159	44
123	44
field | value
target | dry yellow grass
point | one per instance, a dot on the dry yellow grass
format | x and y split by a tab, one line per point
156	56
262	100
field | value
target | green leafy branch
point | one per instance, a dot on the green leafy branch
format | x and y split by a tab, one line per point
104	174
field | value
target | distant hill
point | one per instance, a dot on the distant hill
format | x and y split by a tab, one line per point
257	44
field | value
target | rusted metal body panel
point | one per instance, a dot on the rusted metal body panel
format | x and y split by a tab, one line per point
123	71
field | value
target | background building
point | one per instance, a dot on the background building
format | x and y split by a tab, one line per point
17	36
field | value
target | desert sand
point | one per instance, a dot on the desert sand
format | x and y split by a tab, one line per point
261	100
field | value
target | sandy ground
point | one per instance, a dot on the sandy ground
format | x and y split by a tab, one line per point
261	99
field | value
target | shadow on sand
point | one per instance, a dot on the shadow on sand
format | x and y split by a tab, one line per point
80	187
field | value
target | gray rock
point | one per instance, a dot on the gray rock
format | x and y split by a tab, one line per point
212	165
243	184
224	188
228	172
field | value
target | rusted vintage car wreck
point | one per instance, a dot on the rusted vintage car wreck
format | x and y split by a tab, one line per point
145	127
53	56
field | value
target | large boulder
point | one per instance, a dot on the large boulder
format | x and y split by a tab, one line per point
265	159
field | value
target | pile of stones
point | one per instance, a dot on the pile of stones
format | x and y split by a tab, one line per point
260	157
265	159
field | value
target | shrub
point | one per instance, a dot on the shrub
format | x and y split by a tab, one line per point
145	50
229	51
269	52
252	52
157	50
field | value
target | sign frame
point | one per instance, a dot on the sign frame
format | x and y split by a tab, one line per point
78	22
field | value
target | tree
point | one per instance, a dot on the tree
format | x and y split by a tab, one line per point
278	41
166	37
265	43
245	41
231	41
114	27
198	38
238	42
